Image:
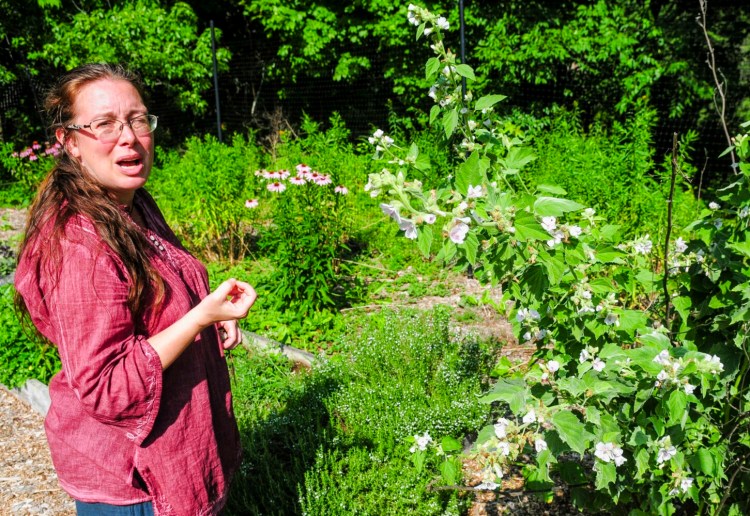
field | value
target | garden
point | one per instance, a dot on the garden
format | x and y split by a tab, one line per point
510	309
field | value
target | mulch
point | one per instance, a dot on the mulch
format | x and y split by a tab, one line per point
28	483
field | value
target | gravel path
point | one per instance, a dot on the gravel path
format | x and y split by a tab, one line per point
28	483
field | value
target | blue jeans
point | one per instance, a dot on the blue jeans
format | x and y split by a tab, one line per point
105	509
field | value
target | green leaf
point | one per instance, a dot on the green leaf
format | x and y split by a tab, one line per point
465	70
572	385
513	392
432	67
450	121
434	112
424	240
447	252
528	228
572	431
422	162
488	101
641	462
471	247
676	405
535	279
703	461
632	320
551	189
683	305
608	254
450	444
516	159
554	206
470	172
741	247
449	471
413	153
606	474
555	266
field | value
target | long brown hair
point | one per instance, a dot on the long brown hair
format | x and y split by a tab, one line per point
68	191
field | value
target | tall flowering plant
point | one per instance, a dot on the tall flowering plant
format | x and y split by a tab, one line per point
307	236
625	398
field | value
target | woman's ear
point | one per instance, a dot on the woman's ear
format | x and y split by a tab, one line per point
68	142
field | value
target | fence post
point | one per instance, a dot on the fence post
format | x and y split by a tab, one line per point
463	43
216	83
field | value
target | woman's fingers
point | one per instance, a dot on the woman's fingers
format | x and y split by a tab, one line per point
234	298
232	334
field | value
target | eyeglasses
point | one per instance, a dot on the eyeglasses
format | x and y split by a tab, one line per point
108	130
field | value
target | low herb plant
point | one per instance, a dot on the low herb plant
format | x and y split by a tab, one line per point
22	358
328	441
637	394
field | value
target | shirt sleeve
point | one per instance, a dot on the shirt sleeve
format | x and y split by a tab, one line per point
115	373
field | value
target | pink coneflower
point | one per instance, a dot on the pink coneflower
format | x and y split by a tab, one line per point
276	187
323	180
341	190
14	155
283	174
259	173
303	169
251	203
25	153
268	175
276	174
33	157
36	146
297	180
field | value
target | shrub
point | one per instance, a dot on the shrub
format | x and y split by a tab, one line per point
21	357
26	168
637	395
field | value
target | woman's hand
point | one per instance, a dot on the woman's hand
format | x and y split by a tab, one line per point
230	301
230	334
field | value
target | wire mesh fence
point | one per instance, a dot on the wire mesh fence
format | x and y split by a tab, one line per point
250	99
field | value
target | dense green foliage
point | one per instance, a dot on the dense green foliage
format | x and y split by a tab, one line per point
201	191
331	441
642	359
21	357
615	172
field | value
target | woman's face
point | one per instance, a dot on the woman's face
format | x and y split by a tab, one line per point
121	166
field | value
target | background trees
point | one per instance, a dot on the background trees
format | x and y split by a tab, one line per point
603	60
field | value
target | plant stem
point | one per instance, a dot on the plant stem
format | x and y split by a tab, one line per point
720	86
670	199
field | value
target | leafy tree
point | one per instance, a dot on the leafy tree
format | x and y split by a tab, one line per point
164	44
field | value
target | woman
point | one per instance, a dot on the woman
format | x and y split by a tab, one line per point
141	416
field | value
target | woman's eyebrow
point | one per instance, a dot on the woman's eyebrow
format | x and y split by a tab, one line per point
112	115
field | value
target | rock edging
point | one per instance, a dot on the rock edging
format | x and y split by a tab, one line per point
36	393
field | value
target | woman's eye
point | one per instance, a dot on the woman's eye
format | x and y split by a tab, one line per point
103	124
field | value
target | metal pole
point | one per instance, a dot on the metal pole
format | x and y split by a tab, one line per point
216	82
463	43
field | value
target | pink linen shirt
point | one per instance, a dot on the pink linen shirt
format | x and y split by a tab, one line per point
121	430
